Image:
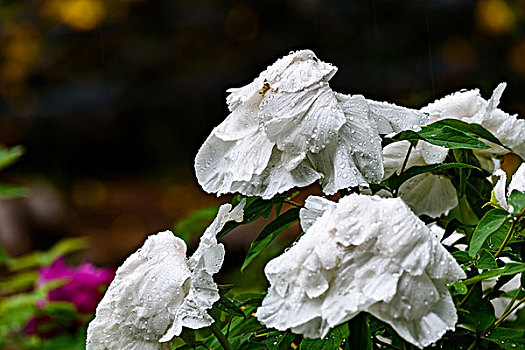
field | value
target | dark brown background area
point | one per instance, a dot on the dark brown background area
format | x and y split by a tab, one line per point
112	98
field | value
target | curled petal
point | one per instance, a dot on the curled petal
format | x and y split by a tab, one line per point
391	118
281	174
429	194
518	180
459	105
302	121
432	154
219	164
157	291
298	71
368	254
355	157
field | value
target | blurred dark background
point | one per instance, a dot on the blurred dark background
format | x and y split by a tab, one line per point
112	98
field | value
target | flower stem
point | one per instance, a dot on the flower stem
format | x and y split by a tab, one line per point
507	238
406	158
505	315
220	337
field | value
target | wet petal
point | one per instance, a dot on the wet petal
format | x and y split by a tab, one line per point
392	118
355	157
134	309
302	121
518	180
219	164
429	194
157	291
368	254
298	71
278	177
459	105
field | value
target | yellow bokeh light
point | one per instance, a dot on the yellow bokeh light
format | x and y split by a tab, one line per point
495	16
78	14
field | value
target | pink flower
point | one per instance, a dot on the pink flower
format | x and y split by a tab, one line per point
82	287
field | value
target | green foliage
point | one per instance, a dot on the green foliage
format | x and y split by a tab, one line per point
195	223
517	201
449	133
489	224
395	181
269	233
255	208
38	259
332	341
9	155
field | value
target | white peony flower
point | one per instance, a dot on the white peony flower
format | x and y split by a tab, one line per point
470	107
434	195
157	291
425	194
288	128
363	254
517	183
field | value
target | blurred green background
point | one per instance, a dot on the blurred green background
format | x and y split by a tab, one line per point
112	98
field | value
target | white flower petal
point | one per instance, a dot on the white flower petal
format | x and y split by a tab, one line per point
239	96
277	177
499	188
297	71
500	304
241	122
518	180
459	105
363	254
432	154
426	194
355	157
508	129
314	208
157	291
302	121
394	155
429	194
392	118
219	164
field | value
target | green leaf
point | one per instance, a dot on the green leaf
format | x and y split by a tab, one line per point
4	258
255	207
8	191
444	136
477	311
252	299
269	233
188	335
517	201
395	180
226	305
507	338
461	256
332	341
488	225
486	261
279	341
225	288
455	225
195	223
471	129
460	288
478	193
9	155
508	269
360	337
37	259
